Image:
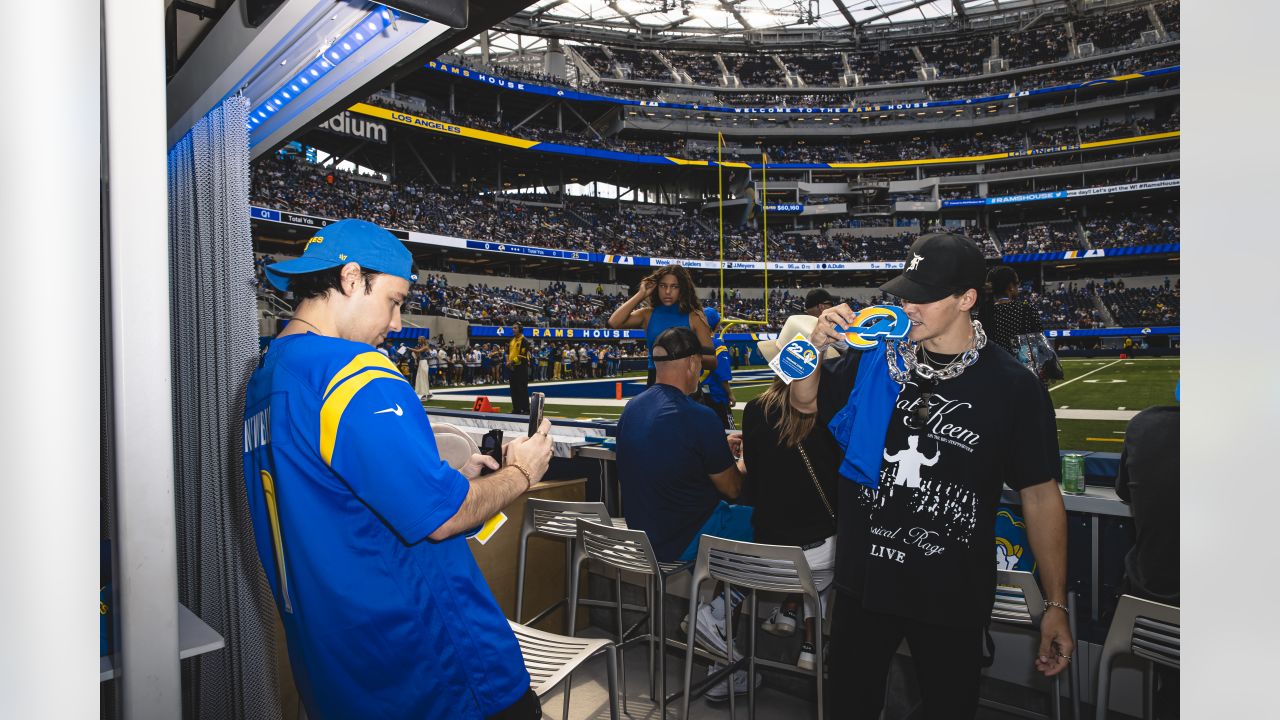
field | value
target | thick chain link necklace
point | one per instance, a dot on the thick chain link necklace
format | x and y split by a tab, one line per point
903	360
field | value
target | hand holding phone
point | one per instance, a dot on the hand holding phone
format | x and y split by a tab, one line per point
536	401
491	445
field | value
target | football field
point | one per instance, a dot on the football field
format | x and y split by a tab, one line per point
1093	402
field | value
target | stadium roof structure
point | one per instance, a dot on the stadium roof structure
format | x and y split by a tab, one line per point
694	24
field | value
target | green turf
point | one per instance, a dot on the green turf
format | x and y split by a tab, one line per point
1091	435
1113	384
1143	382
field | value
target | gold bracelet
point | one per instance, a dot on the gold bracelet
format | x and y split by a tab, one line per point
524	472
1050	603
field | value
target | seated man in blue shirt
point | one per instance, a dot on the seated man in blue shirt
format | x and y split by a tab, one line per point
676	467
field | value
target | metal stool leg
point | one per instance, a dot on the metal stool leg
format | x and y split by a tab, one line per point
728	642
653	631
1149	691
1073	677
622	637
1104	688
694	587
1055	711
751	662
611	665
520	558
659	609
820	660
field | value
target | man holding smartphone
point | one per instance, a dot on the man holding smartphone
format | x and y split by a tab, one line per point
358	522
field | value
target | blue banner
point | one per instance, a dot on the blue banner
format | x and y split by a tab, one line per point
560	333
482	77
1113	332
785	208
1060	194
1161	249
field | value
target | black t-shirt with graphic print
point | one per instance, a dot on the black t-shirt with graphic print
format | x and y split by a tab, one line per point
921	545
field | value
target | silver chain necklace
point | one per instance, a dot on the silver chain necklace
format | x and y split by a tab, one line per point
903	360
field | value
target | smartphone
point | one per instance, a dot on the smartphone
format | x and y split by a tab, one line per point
491	445
535	411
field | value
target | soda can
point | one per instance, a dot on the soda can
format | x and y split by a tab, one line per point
1073	474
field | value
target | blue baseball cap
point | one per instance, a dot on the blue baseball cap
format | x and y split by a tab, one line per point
344	241
713	317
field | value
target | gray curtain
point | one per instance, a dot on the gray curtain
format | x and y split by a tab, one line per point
215	348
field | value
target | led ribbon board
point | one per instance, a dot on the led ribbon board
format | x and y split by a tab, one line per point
876	323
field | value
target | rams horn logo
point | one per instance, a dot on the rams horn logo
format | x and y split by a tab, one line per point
875	322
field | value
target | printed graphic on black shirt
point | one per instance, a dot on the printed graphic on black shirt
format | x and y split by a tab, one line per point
929	510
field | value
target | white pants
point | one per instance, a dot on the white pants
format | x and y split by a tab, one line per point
822	563
422	381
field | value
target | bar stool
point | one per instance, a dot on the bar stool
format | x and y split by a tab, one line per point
771	568
551	659
556	519
1146	629
629	550
1019	602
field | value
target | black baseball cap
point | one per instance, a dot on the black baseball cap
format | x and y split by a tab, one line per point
938	265
678	343
817	297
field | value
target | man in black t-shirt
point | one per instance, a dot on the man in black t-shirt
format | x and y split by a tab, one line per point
915	555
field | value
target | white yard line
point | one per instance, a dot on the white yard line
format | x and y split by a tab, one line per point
1081	414
1104	367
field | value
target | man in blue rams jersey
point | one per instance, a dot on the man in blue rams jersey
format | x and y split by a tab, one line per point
717	393
358	522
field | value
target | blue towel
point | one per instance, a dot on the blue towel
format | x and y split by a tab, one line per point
861	426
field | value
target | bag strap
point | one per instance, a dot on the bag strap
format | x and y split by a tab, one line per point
814	476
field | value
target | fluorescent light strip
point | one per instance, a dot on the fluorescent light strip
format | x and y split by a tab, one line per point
344	47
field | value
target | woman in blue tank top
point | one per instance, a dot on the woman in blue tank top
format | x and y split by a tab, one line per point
665	299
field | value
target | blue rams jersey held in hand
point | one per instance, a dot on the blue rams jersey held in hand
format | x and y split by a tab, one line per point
345	485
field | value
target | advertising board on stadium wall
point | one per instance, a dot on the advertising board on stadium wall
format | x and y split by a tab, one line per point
1112	332
562	333
1060	194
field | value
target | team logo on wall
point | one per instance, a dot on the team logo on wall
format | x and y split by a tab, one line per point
876	323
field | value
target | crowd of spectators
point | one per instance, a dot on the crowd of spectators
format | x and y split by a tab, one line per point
1038	237
960	57
1168	14
1142	307
1132	229
1112	30
1067	306
641	65
584	224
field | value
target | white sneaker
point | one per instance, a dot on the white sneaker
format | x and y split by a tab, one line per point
720	691
808	658
781	622
710	630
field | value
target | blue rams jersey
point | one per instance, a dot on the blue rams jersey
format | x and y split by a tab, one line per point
723	373
345	485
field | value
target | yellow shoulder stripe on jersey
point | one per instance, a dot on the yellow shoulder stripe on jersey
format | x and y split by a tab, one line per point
372	359
336	404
